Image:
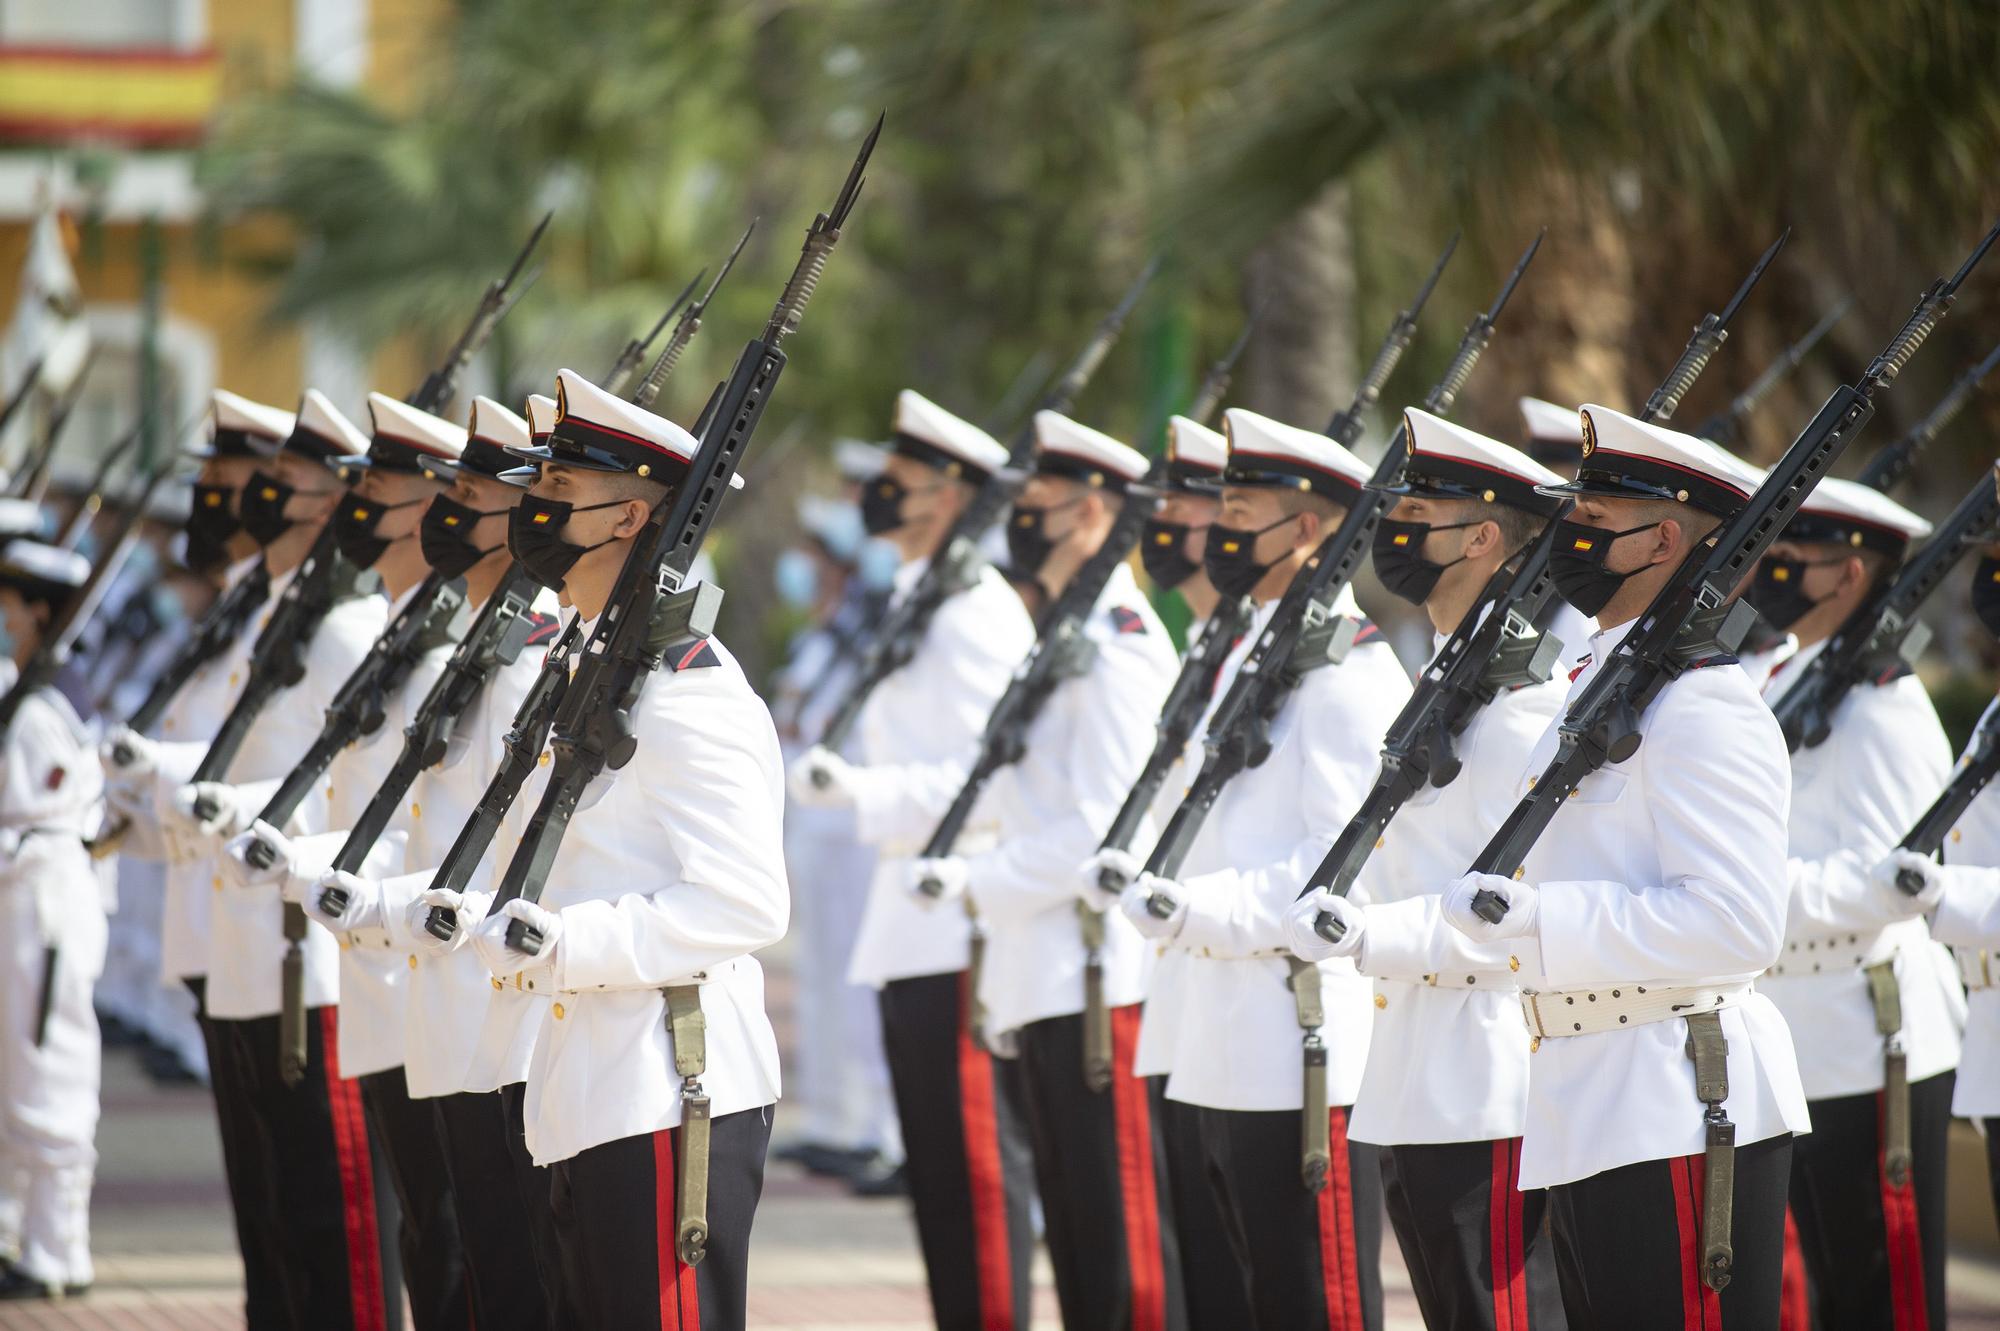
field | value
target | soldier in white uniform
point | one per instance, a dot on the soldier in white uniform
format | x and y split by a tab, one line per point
245	435
1176	537
1659	887
53	909
670	876
1861	983
1099	1164
1227	1028
305	1148
377	524
1446	1085
964	1136
1555	440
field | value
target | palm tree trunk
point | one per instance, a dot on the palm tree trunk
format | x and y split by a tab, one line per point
1300	367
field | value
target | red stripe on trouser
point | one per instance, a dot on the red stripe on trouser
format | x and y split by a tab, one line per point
1909	1302
1701	1309
985	1182
680	1299
357	1183
1133	1123
1336	1233
1508	1246
1794	1306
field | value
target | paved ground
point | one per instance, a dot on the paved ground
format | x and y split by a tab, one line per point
824	1260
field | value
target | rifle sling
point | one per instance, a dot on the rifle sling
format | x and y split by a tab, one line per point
1708	1050
1886	994
1096	1016
1315	1126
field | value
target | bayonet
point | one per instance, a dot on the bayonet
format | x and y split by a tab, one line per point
1726	426
635	350
1347	426
689	325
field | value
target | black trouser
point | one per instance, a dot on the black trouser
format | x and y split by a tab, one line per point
1313	1259
533	1183
1874	1252
1217	1294
264	1296
500	1258
1628	1245
1475	1244
614	1214
323	1192
1101	1169
427	1240
966	1147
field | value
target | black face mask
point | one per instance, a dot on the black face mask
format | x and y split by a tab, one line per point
210	523
1029	544
1163	552
1231	558
882	505
446	536
534	535
1986	594
1576	564
1778	591
1400	562
354	523
263	505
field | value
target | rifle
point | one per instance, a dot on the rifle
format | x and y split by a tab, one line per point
684	331
627	364
494	641
93	499
29	382
60	641
33	482
1188	698
1884	635
1725	427
1887	469
1494	647
1062	651
1696	614
1303	632
442	385
958	561
543	707
1975	770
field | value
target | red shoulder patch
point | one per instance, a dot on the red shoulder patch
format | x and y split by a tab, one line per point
57	775
1127	620
692	656
543	628
1368	631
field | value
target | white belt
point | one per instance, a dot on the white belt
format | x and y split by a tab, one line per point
1834	955
1566	1012
1976	967
1496	981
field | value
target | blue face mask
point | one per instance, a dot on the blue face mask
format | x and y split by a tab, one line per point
796	578
877	565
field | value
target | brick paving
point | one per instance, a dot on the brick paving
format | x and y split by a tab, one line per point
823	1260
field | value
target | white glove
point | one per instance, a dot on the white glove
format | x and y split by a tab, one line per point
1156	906
362	908
1524	905
489	940
819	778
1118	867
141	755
1925	870
227	818
129	799
934	881
235	859
1306	942
468	908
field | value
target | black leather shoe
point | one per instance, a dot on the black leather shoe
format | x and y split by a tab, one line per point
879	1178
18	1285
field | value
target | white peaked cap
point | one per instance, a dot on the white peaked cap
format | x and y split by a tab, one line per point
322	433
1272	454
1073	450
32	561
1627	458
1839	512
857	460
541	415
496	424
1194	450
233	411
601	431
1549	422
930	434
1448	460
414	428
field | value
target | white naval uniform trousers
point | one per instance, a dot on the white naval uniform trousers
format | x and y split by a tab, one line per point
53	910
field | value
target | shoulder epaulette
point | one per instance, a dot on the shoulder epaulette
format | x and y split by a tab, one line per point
692	655
1127	620
542	628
